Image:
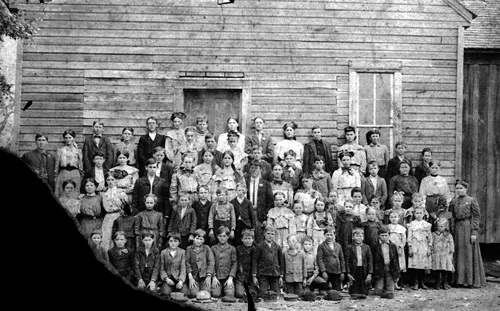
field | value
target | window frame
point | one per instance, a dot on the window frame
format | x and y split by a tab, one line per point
394	68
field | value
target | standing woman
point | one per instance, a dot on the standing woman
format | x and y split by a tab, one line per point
176	137
432	187
112	201
127	144
232	126
423	169
69	163
469	270
127	175
289	143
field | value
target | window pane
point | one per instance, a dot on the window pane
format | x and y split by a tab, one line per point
366	86
383	112
383	86
366	111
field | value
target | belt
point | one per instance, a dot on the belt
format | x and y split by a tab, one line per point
69	168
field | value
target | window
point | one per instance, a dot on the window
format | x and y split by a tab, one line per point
375	100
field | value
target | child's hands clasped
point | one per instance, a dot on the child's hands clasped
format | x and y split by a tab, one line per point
169	282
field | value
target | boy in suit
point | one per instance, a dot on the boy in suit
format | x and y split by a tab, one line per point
373	185
41	161
147	143
267	271
385	265
97	142
330	259
359	272
97	171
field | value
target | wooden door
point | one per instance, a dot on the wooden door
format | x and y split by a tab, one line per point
217	104
481	138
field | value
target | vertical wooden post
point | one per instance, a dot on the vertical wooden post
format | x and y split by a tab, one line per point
17	97
459	103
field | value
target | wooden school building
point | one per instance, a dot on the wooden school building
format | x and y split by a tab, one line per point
393	65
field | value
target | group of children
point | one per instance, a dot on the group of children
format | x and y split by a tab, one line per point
198	218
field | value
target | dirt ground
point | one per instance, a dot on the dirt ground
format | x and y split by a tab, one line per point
455	299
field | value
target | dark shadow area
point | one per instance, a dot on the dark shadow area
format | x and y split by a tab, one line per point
48	261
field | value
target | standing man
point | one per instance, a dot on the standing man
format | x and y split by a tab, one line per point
262	139
260	193
41	161
317	147
147	143
97	142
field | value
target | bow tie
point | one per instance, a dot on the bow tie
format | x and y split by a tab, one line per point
97	136
347	170
278	181
185	170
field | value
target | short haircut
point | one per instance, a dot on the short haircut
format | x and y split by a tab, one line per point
356	189
221	190
200	233
222	229
206	187
329	229
201	118
150	161
319	158
358	231
174	235
38	135
256	147
400	143
426	149
69	181
183	196
233	134
98	154
308	238
290	236
383	229
417	196
394	213
151	118
270	228
316	127
97	122
118	233
189	129
375	198
372	162
241	186
247	233
158	148
348	201
405	162
147	233
151	195
210	136
96	231
256	163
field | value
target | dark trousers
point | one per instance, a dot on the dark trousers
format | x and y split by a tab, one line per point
359	286
268	282
384	284
294	288
334	280
184	242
